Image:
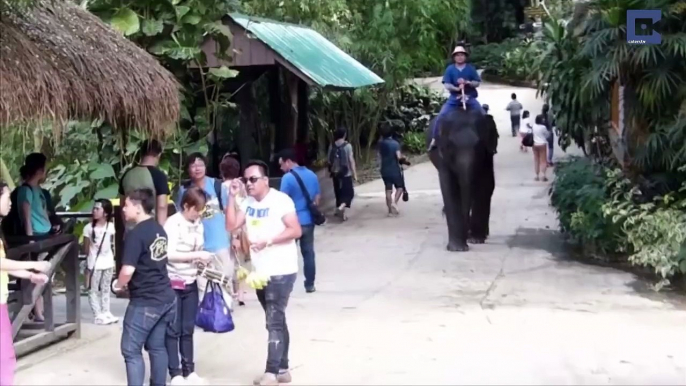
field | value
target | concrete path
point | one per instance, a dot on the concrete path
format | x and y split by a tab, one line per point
393	307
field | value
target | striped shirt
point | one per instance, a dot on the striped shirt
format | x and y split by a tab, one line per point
183	236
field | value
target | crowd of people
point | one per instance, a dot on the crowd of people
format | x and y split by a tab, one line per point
539	135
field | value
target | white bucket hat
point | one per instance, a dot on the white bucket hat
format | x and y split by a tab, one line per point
460	50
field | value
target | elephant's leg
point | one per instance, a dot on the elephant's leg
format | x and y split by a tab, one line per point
484	185
451	207
465	172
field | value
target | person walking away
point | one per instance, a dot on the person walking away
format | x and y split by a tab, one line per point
273	227
458	78
33	209
230	169
515	108
217	240
390	169
525	128
98	236
152	305
540	147
147	175
21	270
549	124
343	171
301	183
185	247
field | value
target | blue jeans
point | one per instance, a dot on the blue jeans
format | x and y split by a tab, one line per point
179	339
274	299
307	249
450	104
146	327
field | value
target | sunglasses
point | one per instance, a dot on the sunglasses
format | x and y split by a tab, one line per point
252	179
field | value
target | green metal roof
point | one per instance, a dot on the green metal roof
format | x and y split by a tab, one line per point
325	64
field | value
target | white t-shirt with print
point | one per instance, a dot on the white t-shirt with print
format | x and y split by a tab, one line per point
264	221
104	260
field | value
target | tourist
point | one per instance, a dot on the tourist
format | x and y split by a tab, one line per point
147	175
525	128
32	206
390	169
230	169
19	269
515	108
272	227
549	123
217	240
540	147
98	236
152	305
185	246
343	171
302	186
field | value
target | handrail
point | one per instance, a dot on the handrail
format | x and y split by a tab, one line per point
34	245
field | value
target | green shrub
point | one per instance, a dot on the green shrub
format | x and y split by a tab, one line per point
655	231
606	213
578	194
511	59
414	142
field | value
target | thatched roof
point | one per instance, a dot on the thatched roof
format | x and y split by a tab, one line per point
60	62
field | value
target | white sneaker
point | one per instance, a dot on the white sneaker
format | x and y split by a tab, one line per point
177	380
111	318
194	379
100	320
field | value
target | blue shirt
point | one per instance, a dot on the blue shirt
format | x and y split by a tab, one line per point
452	74
40	222
213	219
290	186
388	148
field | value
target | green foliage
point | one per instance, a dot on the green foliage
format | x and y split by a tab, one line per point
578	195
606	213
414	142
580	67
511	59
655	230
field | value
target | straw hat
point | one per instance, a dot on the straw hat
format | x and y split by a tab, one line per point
460	50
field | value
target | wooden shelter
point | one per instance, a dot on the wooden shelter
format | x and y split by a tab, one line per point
59	62
293	57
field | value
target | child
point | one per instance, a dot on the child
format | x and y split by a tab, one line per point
97	241
525	128
18	269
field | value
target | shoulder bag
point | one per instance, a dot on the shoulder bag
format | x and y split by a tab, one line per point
317	216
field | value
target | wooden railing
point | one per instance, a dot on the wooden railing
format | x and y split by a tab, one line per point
61	251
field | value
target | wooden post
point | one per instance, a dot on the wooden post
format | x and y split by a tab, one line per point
73	287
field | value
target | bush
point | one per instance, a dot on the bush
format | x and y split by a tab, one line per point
606	213
578	194
511	59
414	143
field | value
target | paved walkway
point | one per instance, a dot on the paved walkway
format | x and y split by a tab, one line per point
393	307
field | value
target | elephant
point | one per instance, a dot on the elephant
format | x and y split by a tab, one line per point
463	156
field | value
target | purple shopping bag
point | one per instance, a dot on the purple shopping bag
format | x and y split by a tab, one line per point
213	313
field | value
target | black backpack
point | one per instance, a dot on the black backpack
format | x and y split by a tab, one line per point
217	190
338	160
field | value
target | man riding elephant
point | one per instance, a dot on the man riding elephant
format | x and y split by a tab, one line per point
461	79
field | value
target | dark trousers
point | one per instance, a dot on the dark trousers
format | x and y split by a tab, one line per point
551	146
516	121
180	333
307	249
146	326
343	190
274	299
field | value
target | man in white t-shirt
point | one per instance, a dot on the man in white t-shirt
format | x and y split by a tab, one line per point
272	227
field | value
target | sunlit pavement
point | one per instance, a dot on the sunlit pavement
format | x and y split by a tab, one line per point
393	307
